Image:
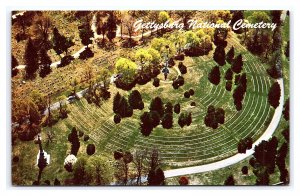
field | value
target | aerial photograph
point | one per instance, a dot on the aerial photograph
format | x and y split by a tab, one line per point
149	97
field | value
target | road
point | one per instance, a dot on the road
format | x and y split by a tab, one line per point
238	157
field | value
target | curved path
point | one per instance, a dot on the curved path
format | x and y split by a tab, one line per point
238	157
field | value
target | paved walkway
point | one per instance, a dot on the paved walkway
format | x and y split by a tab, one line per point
238	157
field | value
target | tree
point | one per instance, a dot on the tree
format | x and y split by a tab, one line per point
45	63
139	160
228	74
182	68
287	50
163	16
61	43
157	105
31	60
155	82
183	181
168	108
214	116
100	169
85	34
214	75
219	55
237	15
24	21
286	111
274	95
62	106
237	64
230	55
117	118
14	65
155	56
128	22
259	40
90	149
143	57
229	181
177	108
244	170
156	177
149	120
111	25
185	119
81	174
135	100
121	106
122	165
41	29
186	16
116	102
74	140
167	120
127	69
265	155
245	144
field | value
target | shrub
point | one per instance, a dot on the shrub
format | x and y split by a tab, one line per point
156	82
80	133
193	104
245	170
167	121
66	60
86	138
117	118
182	68
177	108
87	53
187	94
135	100
179	57
90	150
192	92
183	180
185	119
118	154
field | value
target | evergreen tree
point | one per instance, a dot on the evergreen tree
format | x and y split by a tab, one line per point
237	64
135	100
177	108
61	43
167	121
157	105
229	181
237	15
111	27
274	95
286	111
228	74
214	75
85	34
45	63
31	60
230	55
219	55
156	177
